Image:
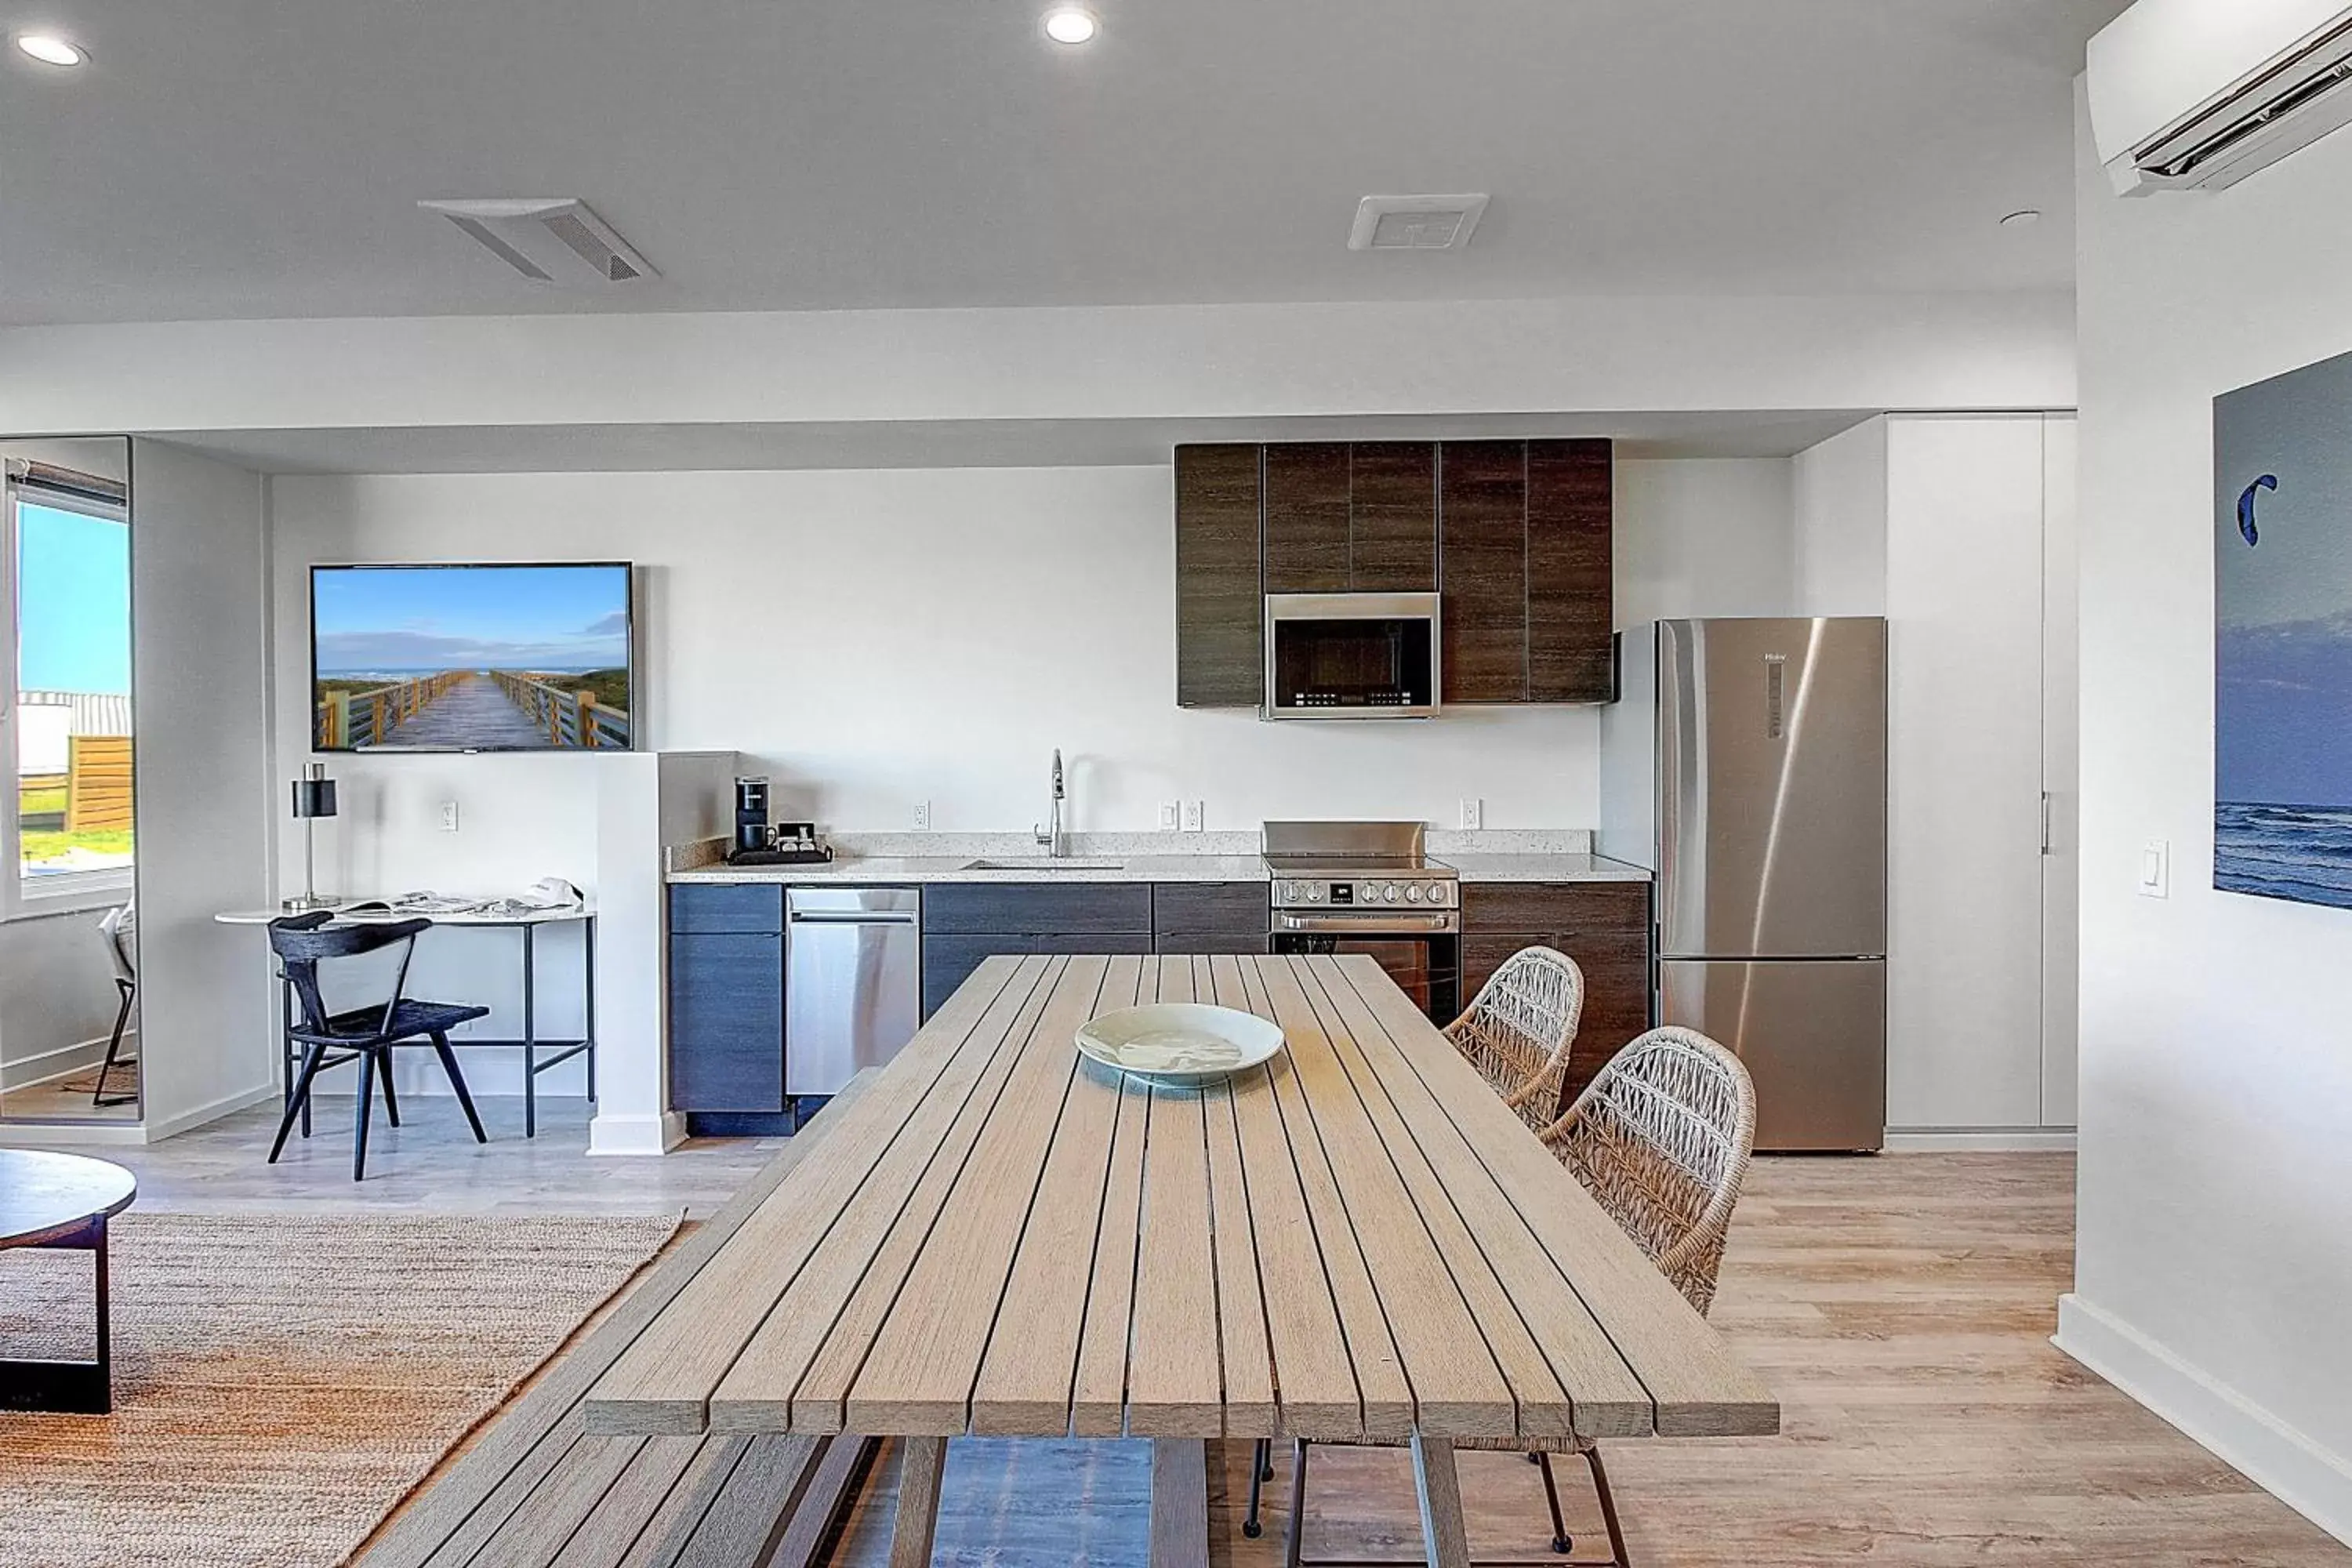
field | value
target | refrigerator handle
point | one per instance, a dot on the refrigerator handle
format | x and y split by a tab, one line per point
2045	822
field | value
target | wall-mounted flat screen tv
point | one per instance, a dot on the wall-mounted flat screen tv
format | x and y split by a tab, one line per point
492	658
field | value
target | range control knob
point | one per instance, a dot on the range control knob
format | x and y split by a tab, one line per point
1315	893
1391	893
1413	893
1289	891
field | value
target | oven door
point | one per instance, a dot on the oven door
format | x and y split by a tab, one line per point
1427	967
1351	656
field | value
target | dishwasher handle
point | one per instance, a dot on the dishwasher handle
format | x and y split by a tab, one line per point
854	918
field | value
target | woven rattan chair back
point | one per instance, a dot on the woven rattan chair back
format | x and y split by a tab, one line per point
1519	1028
1661	1139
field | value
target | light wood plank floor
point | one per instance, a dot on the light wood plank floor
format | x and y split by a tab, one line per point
1901	1307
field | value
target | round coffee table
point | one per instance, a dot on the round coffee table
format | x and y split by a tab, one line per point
62	1201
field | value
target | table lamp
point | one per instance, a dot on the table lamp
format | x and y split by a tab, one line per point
314	797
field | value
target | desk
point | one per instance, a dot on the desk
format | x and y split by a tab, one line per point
1358	1240
529	1043
62	1200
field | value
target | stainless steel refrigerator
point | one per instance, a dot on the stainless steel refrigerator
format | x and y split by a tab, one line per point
1745	764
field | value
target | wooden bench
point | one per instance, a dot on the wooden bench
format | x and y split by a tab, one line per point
537	1490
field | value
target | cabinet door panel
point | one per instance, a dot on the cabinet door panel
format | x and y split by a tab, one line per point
1307	518
1555	906
1195	908
1031	909
1393	517
1091	941
1219	600
726	1022
948	962
1484	494
754	907
1569	602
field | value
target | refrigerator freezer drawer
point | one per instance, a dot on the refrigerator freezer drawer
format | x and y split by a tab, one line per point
1812	1032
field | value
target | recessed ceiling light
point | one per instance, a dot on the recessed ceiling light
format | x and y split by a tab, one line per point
2024	218
1070	24
50	49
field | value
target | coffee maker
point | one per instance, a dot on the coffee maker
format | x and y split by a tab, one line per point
757	843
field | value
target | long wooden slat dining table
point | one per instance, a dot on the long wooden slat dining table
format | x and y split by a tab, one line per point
1356	1241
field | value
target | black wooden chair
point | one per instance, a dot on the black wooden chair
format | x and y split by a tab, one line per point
365	1035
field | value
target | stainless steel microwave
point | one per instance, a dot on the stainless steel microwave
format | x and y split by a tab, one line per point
1351	656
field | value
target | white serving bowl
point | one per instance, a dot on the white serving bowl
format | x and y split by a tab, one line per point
1180	1045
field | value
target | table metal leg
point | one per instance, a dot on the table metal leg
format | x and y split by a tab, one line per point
588	997
1440	1490
530	1034
923	1463
71	1387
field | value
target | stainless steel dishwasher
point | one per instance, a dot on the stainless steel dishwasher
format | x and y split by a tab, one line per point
853	982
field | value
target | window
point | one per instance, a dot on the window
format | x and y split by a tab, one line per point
65	581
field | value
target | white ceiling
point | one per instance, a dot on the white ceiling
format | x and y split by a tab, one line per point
252	157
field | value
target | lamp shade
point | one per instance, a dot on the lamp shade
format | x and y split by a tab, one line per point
314	797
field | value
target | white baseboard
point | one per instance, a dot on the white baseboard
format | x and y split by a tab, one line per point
1979	1140
2285	1463
227	1105
635	1135
61	1061
71	1134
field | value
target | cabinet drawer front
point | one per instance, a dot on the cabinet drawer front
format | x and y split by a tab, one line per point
1209	907
755	908
948	962
1023	909
1213	941
1555	906
1091	941
727	1021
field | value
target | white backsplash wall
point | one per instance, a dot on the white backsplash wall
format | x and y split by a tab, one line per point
875	639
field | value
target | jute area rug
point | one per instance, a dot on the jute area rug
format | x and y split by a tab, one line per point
280	1383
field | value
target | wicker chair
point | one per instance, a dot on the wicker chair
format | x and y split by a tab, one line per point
1518	1030
1661	1139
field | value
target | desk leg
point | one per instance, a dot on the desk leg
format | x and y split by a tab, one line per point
588	997
72	1387
530	1033
1443	1535
1179	1502
923	1462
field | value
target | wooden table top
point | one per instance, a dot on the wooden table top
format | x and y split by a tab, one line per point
44	1197
1358	1239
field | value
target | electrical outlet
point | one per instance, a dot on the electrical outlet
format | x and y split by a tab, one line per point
1196	813
1169	810
923	816
1473	813
448	816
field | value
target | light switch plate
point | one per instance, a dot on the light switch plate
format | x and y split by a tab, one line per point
1196	816
1169	810
2155	868
448	816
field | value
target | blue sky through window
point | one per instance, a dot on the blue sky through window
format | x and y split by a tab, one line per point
73	602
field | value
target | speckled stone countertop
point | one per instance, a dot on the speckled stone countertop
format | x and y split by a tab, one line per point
1507	855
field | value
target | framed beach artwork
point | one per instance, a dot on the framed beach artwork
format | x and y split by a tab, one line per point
2283	637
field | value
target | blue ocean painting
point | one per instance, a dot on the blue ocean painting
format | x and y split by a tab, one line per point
2283	642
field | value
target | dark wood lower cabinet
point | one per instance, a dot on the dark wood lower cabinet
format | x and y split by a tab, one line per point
1604	926
726	1022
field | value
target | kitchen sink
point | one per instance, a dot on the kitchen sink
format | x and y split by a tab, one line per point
1043	863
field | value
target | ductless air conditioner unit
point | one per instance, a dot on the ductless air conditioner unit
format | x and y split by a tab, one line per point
2199	94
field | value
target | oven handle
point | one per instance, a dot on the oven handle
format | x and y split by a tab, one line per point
1385	923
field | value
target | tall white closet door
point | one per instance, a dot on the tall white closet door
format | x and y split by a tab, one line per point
1964	604
2062	870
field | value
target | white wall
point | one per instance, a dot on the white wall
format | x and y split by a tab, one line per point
1707	537
1234	362
200	611
1839	533
2214	1251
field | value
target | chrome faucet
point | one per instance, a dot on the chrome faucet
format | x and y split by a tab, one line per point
1056	841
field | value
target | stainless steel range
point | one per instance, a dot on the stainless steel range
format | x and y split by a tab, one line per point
1370	887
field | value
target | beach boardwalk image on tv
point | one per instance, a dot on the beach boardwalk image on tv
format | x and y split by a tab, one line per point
2282	653
492	658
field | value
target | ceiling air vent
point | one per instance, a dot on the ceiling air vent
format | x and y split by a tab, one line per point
1415	223
547	239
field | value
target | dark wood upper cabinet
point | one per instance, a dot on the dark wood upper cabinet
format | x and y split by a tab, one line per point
1571	606
1220	601
1307	518
1515	535
1526	556
1485	500
1393	517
